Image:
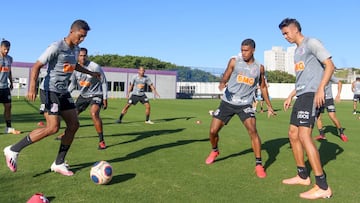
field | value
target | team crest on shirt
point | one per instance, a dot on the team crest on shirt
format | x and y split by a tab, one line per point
300	51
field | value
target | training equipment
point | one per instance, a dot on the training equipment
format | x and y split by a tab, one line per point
41	124
38	198
101	173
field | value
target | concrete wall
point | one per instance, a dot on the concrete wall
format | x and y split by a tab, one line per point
276	90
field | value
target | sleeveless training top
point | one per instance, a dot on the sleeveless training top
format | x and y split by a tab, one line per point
242	83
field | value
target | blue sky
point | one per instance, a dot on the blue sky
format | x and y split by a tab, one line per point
197	33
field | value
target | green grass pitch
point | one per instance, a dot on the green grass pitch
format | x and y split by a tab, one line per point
165	162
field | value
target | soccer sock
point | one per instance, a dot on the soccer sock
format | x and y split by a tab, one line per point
101	137
302	172
321	131
258	161
61	154
147	117
21	144
341	131
121	116
321	182
8	123
215	149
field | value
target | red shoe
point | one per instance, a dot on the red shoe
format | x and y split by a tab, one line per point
316	193
344	137
102	145
297	181
212	156
260	172
320	137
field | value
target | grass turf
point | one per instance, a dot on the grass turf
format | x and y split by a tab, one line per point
165	162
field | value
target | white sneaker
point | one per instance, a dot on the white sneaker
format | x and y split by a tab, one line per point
149	122
12	131
61	168
11	158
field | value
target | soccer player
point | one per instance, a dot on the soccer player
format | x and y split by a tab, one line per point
242	75
137	90
313	68
56	101
355	88
93	92
330	107
6	85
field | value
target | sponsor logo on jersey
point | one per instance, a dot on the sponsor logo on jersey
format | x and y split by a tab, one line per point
245	80
299	66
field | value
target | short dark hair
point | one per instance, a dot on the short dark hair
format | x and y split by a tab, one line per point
5	43
287	21
248	42
80	24
84	49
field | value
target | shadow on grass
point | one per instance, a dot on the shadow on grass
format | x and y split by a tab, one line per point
333	130
121	178
328	151
145	134
133	155
272	148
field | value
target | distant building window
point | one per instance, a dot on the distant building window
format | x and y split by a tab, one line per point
189	89
118	86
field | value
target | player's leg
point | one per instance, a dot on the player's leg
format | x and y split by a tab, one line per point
321	189
131	100
6	100
320	127
335	120
250	125
95	116
70	117
355	104
147	113
215	127
220	118
302	177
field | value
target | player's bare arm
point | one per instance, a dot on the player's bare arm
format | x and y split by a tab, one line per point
320	94
287	102
35	70
80	68
265	92
227	74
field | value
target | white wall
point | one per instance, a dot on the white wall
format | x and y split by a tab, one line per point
276	90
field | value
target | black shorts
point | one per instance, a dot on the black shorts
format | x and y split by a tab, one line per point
53	103
226	111
83	102
304	111
356	97
329	105
134	99
5	95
